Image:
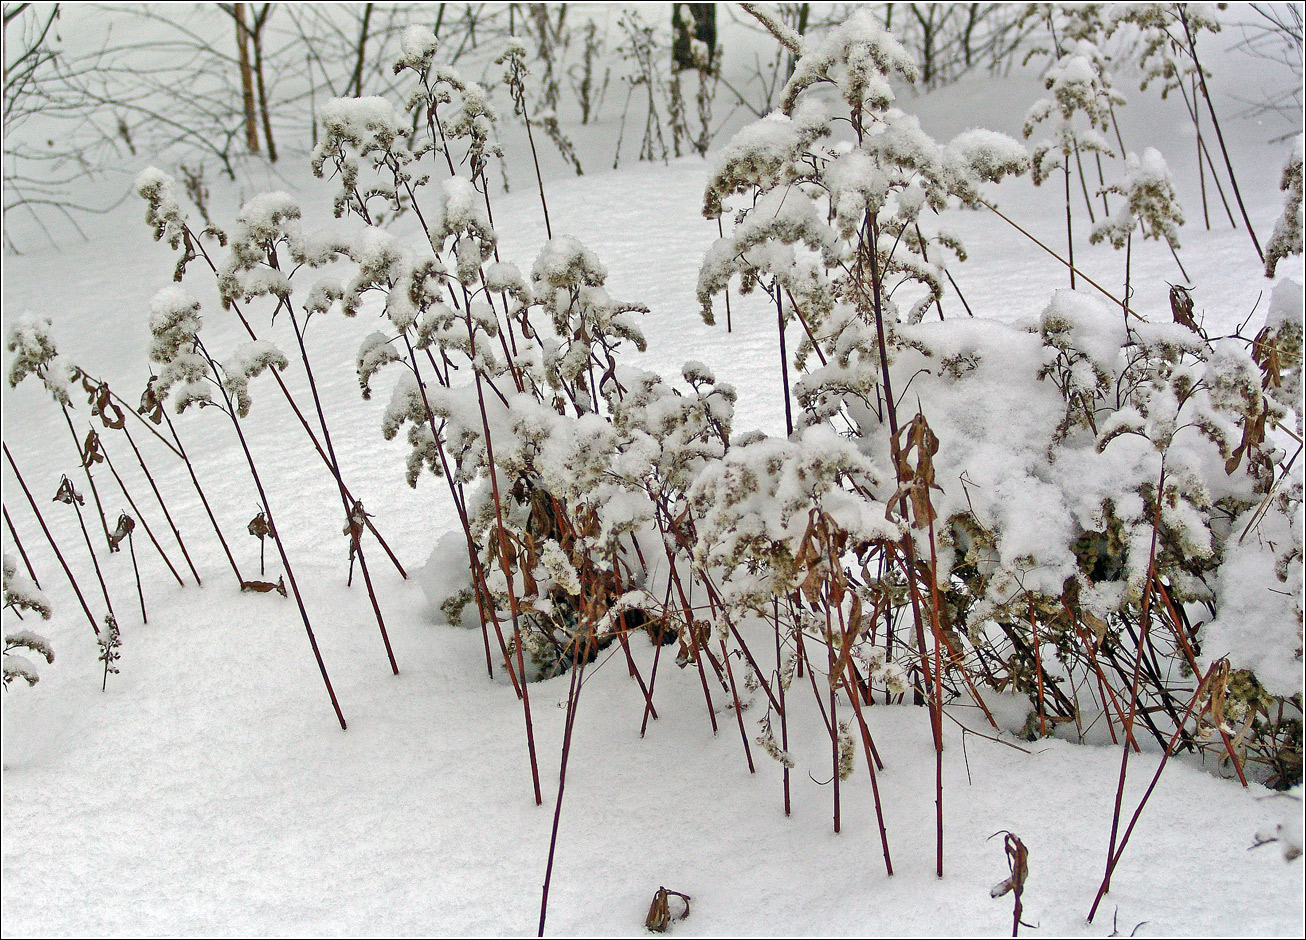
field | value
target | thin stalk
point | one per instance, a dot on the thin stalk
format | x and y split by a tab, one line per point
54	546
539	181
909	548
1145	622
354	536
784	363
578	664
652	681
86	467
720	231
95	561
13	534
780	690
276	535
1114	860
739	712
1070	234
217	530
869	747
140	593
834	699
1201	170
1129	249
480	588
1219	134
1083	184
136	509
1203	150
507	574
285	392
176	533
1070	264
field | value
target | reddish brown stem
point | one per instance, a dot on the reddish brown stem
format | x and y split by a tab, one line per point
276	535
217	530
176	533
141	516
13	534
54	546
354	536
140	593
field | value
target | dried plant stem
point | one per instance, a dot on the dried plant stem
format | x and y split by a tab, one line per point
141	516
784	363
1070	264
868	745
502	552
1070	233
1119	850
652	681
176	533
1083	184
519	93
480	588
720	231
1133	695
86	468
869	258
276	534
1219	134
1203	150
95	561
128	409
217	530
780	705
578	664
354	536
140	593
1191	656
834	707
1201	170
688	612
18	543
734	693
54	546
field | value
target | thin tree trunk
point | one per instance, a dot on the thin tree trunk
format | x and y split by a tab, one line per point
355	88
246	78
259	22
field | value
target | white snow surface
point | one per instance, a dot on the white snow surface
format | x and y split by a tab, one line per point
209	790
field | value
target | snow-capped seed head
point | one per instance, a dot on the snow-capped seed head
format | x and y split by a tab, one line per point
32	343
416	49
248	362
162	206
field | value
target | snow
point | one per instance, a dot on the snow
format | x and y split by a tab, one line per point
207	790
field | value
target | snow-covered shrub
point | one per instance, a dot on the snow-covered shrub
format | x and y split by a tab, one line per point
1070	491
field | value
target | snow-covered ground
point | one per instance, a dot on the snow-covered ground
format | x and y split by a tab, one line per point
209	790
